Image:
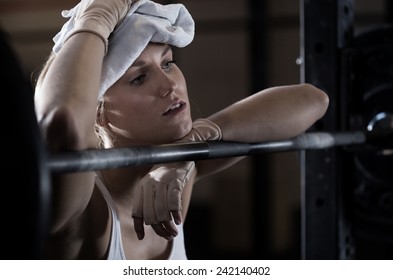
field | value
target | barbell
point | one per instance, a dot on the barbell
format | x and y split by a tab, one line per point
99	159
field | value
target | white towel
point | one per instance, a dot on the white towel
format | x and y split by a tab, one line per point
146	22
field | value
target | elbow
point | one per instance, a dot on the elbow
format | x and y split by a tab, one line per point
61	132
319	100
322	102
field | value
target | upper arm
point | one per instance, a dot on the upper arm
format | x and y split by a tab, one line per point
71	192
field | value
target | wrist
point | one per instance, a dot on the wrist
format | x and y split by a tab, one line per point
203	130
97	34
92	27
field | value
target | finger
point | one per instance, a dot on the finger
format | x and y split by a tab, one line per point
175	188
137	203
171	228
162	231
161	206
177	217
149	213
139	228
174	195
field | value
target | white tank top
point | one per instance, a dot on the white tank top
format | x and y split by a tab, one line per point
116	250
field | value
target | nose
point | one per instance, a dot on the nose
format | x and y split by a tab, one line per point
167	84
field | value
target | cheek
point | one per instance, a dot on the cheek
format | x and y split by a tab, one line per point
182	81
128	109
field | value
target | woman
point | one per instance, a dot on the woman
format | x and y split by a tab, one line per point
142	99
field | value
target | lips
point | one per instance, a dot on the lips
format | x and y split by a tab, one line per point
174	108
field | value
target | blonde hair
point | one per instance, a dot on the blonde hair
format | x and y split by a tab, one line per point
104	140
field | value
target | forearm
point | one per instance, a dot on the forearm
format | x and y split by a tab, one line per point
272	114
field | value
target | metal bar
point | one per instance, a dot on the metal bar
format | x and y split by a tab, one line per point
99	159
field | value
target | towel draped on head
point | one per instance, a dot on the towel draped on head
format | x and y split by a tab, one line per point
145	22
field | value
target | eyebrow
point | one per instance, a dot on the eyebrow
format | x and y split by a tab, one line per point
140	63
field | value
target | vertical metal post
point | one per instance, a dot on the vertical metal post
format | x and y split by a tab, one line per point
389	11
261	191
325	30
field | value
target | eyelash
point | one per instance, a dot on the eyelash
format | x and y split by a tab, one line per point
170	63
137	81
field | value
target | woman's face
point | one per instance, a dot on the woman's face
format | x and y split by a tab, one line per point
149	104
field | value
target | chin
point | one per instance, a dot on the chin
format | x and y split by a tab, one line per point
176	133
181	134
186	129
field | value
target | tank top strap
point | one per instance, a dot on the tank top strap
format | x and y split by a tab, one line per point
116	250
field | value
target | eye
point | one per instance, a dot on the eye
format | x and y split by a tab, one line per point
169	64
138	80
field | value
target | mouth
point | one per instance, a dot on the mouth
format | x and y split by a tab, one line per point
175	108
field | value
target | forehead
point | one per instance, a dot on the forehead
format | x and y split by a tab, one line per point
154	49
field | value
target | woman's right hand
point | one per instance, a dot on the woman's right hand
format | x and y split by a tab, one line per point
99	17
101	12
